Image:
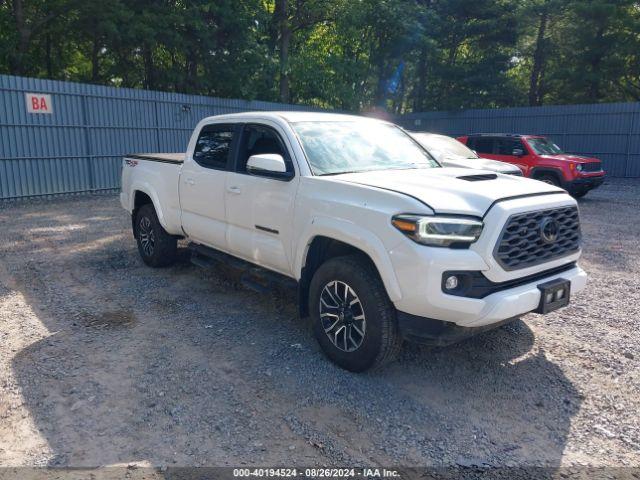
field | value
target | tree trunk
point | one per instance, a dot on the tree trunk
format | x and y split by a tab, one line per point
191	77
284	41
49	60
421	87
596	60
24	35
95	60
539	60
149	71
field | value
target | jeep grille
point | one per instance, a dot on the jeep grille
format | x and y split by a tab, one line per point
591	167
522	243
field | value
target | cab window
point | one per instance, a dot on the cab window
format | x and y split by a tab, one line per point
258	139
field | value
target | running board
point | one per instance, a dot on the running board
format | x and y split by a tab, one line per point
253	277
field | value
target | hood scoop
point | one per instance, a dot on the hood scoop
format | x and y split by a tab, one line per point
478	177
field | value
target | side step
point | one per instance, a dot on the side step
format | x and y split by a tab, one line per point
253	277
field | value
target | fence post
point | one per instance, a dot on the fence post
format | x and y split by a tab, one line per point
627	161
87	140
158	149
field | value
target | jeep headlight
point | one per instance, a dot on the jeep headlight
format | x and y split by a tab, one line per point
439	231
579	167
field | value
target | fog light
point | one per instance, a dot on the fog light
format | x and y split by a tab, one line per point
451	283
549	298
559	294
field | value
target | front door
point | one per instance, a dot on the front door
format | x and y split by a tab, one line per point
202	186
259	208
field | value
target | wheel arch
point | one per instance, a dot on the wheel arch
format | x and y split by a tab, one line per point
537	172
328	243
141	195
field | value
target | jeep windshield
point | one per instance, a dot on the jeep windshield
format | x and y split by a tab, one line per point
543	146
339	147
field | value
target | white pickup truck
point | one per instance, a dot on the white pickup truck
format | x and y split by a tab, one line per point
381	242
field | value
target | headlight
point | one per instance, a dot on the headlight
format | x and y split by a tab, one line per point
579	167
439	231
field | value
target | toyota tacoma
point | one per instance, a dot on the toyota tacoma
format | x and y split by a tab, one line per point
381	243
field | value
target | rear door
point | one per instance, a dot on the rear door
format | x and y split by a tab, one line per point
260	208
484	146
203	182
506	149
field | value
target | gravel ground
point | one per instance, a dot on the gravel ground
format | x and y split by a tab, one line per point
107	362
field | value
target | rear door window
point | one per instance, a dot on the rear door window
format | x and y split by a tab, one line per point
483	144
213	147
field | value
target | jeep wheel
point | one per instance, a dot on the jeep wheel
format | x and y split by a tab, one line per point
353	319
157	247
550	179
579	194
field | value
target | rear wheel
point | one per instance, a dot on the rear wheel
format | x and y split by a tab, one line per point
156	247
353	319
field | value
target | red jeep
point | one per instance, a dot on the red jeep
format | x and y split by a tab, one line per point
540	158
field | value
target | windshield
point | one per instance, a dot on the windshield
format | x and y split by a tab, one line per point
441	145
543	146
345	147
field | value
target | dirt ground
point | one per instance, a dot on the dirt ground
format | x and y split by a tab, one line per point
107	362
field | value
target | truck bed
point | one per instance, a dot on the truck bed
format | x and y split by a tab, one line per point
158	157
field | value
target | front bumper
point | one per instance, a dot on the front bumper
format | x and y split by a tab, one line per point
497	309
419	271
487	312
583	184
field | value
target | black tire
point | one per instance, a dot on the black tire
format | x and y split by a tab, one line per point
381	341
550	179
156	247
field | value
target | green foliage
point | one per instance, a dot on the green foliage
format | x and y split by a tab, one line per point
336	53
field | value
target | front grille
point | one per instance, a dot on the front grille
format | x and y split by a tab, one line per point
591	167
522	243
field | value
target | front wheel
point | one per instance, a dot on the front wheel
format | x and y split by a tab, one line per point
156	246
353	319
549	179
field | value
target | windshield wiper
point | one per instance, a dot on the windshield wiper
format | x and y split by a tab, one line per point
341	173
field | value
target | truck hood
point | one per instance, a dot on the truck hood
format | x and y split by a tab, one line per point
459	191
478	163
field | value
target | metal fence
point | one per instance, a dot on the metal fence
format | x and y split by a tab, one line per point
610	131
78	145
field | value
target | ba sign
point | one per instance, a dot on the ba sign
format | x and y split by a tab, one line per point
39	103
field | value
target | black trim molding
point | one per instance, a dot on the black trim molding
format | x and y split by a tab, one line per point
267	229
473	284
153	159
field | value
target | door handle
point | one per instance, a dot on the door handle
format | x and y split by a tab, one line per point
190	181
234	190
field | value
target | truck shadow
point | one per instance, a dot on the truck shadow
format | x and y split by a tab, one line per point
180	366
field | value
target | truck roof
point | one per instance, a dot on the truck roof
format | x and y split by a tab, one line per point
292	117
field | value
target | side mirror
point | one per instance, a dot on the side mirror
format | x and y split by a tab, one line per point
268	165
518	152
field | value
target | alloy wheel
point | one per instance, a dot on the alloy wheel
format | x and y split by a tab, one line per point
342	316
147	236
